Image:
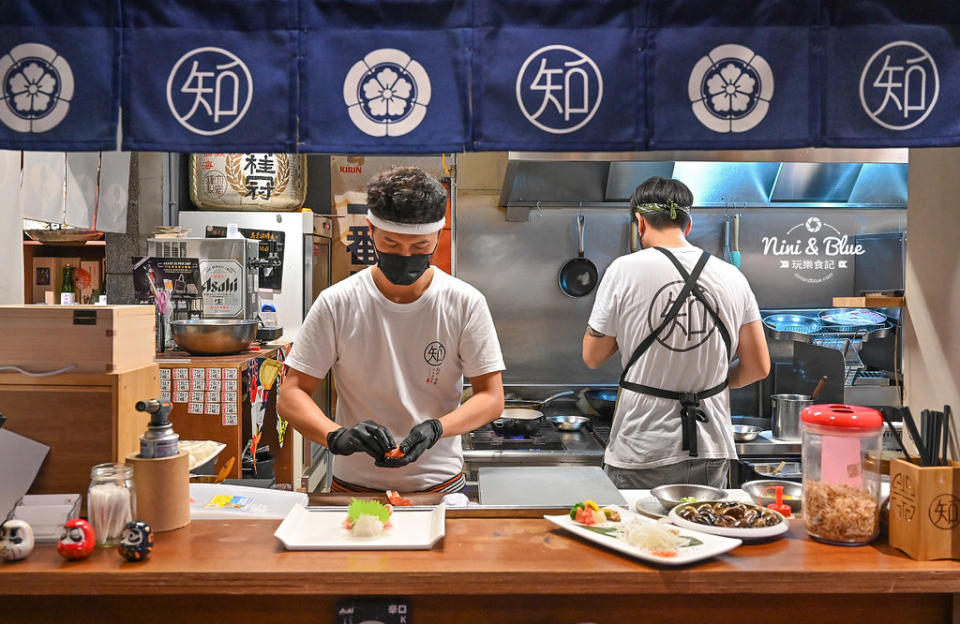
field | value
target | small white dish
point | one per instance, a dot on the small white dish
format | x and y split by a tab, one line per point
745	534
321	528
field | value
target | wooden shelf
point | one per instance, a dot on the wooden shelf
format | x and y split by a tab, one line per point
869	301
96	243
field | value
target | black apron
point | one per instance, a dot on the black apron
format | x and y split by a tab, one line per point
690	412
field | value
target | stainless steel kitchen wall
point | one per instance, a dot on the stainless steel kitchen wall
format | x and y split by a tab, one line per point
515	265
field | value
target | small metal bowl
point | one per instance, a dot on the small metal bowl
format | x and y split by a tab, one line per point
213	336
746	433
569	423
790	489
670	495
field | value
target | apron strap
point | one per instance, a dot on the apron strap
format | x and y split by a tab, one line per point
690	410
698	293
671	313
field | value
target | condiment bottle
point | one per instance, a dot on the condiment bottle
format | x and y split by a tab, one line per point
841	477
67	294
111	501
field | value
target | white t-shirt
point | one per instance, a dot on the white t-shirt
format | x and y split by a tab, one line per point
399	365
689	356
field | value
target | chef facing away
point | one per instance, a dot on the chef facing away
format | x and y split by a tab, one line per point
688	328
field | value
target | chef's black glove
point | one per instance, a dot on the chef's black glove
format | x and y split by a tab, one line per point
368	436
420	438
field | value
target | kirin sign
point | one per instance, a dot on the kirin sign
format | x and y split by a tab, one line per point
814	251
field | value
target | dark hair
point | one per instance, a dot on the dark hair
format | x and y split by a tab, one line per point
658	190
406	195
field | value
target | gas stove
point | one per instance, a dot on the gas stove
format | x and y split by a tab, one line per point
547	446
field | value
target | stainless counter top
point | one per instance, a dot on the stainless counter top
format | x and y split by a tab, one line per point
765	445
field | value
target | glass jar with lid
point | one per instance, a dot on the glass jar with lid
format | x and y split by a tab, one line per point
111	501
841	474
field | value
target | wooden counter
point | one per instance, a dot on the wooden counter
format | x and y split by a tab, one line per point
489	570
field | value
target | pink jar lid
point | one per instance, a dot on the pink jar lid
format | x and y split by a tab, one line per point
842	416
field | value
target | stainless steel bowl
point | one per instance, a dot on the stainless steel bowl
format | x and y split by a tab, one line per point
569	423
213	336
790	489
746	433
670	495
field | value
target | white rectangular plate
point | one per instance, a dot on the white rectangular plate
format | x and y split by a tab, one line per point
710	546
321	528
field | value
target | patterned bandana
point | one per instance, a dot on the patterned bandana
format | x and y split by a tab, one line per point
670	206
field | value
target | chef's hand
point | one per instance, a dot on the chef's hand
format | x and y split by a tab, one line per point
420	438
368	436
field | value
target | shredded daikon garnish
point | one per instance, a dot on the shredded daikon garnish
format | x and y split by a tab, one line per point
367	526
652	536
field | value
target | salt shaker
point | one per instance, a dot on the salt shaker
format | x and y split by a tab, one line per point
111	501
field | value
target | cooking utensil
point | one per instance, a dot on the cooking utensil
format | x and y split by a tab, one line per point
791	327
603	401
853	317
745	433
735	251
225	471
761	494
213	336
727	257
569	423
786	414
536	404
579	276
670	495
518	421
816	391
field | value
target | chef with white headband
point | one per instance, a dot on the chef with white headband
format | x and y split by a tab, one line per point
399	337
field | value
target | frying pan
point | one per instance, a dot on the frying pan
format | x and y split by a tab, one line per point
578	277
518	421
536	404
603	401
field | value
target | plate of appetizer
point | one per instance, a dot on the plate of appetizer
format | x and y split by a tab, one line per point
730	518
641	537
364	525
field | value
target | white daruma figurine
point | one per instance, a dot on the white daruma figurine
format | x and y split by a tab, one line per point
16	540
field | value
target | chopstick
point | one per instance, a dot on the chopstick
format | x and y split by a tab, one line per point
947	416
914	434
896	435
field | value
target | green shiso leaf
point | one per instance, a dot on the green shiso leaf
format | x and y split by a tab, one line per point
360	507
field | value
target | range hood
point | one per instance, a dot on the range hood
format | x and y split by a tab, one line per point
777	178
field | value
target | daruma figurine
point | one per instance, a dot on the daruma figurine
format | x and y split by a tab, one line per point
137	541
16	540
76	539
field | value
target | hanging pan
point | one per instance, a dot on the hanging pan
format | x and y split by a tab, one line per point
578	277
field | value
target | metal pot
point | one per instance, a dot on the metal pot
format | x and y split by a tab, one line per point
786	414
518	421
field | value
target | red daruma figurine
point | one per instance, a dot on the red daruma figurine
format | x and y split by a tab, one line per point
76	540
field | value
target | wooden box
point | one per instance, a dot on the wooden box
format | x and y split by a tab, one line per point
925	510
85	420
95	339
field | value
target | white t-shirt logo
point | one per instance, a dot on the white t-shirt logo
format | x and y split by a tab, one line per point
693	324
434	353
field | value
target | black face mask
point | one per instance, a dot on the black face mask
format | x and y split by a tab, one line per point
403	270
